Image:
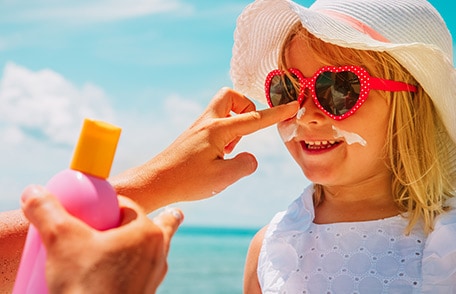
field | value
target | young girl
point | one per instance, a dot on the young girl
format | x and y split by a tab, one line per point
375	134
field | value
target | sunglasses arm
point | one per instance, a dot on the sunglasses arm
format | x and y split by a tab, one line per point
389	85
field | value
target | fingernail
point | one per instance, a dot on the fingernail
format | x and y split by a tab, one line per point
175	213
31	192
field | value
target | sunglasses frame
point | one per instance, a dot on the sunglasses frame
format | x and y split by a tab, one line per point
366	82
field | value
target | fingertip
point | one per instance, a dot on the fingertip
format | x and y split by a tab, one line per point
176	213
169	221
32	192
246	162
40	206
294	104
233	169
291	108
36	201
170	216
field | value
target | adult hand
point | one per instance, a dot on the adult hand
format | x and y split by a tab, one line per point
80	259
194	167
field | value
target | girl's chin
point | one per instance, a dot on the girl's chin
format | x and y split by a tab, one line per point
317	176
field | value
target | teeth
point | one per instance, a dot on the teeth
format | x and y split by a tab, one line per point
320	144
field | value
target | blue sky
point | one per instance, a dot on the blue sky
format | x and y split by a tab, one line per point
149	66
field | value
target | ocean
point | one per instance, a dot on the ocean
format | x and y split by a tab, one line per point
207	260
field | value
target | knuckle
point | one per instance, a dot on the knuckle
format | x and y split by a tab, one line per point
165	267
225	91
210	128
214	124
255	115
56	229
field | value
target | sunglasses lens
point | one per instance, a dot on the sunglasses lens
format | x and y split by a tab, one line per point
337	92
282	90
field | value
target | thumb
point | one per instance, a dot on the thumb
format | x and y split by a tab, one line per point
238	167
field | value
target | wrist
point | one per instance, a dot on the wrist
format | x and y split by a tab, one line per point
144	184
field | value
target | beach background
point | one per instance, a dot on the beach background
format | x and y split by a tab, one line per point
207	260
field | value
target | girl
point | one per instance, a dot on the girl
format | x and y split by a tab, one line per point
375	134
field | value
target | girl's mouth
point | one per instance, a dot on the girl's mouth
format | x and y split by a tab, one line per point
319	145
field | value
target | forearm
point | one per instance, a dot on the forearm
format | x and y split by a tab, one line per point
13	231
145	184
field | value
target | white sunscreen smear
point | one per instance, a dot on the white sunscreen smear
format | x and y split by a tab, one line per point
301	112
350	138
289	129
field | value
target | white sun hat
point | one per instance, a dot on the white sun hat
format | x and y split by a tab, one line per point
412	31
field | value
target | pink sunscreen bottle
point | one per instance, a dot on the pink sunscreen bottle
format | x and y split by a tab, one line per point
84	192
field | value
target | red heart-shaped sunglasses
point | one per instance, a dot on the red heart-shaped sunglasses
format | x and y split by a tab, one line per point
337	91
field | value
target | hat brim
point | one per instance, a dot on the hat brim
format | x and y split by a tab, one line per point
264	25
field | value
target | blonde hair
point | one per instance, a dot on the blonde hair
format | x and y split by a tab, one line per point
418	150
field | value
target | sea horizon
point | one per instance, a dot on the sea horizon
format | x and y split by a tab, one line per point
207	259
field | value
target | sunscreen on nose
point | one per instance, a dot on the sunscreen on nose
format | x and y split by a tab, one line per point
301	112
85	193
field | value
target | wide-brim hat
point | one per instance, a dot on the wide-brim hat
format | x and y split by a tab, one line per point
412	31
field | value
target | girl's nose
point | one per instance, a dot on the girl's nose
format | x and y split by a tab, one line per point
309	112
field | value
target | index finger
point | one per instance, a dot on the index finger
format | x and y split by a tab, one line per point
249	122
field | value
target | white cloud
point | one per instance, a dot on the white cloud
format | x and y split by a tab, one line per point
181	112
82	12
44	104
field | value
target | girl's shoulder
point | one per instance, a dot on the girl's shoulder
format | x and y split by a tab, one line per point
298	216
439	255
444	233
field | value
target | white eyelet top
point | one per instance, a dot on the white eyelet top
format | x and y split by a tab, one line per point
299	256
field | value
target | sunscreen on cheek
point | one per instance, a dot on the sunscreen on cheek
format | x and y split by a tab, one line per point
350	138
84	192
288	130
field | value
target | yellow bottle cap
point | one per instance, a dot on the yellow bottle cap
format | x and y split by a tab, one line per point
96	147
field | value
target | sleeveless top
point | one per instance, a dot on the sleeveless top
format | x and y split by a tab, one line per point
299	256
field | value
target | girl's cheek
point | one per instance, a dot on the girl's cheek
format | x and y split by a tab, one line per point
349	138
288	129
